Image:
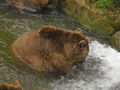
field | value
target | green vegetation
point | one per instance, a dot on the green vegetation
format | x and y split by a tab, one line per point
108	4
104	22
104	4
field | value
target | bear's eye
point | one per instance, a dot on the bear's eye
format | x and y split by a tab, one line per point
81	45
77	38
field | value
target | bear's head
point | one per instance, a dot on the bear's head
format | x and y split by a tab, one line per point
72	44
76	47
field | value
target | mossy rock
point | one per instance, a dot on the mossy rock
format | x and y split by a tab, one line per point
99	21
115	40
106	4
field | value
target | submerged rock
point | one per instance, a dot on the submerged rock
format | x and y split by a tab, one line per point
115	40
31	4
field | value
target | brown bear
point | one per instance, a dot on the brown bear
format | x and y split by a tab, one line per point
30	4
51	49
15	86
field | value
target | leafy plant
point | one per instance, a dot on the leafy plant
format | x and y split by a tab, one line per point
104	4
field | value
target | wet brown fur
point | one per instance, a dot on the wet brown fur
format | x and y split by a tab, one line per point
51	49
15	86
35	4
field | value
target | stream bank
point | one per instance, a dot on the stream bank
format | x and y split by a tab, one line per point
101	21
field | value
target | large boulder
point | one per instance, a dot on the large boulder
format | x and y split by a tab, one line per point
100	21
115	40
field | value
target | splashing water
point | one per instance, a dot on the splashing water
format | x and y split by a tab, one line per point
101	71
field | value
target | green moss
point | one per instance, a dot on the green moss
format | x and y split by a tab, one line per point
104	4
107	4
115	40
115	25
96	24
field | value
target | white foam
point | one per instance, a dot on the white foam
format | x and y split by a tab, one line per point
101	70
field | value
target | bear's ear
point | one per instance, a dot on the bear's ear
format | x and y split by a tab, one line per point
79	30
49	32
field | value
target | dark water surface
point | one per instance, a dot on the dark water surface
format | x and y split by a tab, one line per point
101	71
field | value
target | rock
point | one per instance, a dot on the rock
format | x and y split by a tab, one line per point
115	40
51	49
30	4
100	21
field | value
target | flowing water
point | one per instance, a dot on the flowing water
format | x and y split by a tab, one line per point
101	71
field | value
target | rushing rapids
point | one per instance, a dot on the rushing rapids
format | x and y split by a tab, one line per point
101	71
